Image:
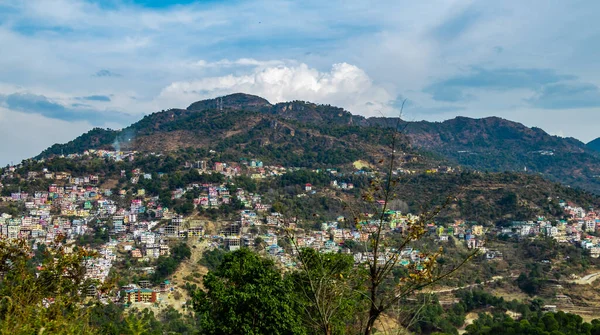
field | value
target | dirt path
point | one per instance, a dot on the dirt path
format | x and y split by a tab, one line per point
585	280
452	289
469	319
179	296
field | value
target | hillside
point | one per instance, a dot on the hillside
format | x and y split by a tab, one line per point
495	144
594	144
486	198
293	134
93	139
492	197
301	133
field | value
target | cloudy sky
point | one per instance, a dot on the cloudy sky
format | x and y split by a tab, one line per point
67	66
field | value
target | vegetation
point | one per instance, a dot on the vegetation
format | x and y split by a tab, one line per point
42	294
247	295
213	258
538	324
494	144
328	292
96	138
166	265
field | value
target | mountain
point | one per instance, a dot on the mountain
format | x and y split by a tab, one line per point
495	144
302	133
594	144
239	125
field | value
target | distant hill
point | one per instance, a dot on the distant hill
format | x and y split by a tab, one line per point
594	145
495	144
302	133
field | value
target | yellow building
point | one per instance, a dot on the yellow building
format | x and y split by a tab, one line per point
477	230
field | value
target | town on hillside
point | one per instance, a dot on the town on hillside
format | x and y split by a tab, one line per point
129	226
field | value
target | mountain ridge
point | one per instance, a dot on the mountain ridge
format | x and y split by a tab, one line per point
248	124
594	144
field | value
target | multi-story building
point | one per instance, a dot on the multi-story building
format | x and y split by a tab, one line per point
142	295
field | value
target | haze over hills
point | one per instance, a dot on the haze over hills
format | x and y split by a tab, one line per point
307	134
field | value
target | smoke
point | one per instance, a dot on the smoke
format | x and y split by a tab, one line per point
124	141
117	144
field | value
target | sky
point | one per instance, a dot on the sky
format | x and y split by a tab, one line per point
67	66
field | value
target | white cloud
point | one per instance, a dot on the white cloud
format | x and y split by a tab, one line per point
344	85
285	50
226	63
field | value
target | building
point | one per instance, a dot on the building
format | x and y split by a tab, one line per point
141	295
232	243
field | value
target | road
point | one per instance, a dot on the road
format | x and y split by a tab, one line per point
448	290
585	280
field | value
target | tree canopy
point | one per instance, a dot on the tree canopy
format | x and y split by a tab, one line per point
246	294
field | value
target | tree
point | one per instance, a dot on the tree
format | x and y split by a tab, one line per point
383	294
42	294
42	297
181	251
212	258
385	282
246	295
174	322
141	323
185	209
165	266
322	288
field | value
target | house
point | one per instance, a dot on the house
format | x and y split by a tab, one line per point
493	254
551	231
477	230
232	243
91	291
141	295
165	286
308	187
595	252
136	253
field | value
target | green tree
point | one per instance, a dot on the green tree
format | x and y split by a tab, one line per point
181	251
246	295
212	258
42	297
165	266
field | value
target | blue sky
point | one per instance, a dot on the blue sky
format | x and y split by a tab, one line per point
67	66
